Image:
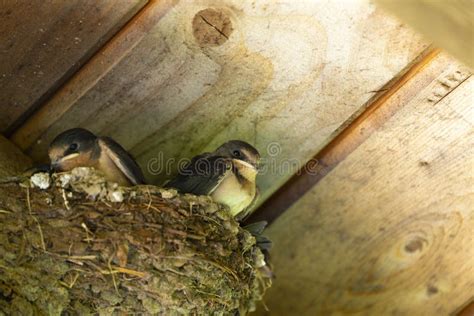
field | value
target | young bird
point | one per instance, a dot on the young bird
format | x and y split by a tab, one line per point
79	147
228	175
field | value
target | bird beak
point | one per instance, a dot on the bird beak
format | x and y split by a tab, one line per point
56	164
71	156
248	165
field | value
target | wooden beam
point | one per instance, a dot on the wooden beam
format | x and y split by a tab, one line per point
42	43
467	309
98	67
354	134
282	75
389	230
449	24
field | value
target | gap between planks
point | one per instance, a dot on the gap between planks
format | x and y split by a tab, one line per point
350	136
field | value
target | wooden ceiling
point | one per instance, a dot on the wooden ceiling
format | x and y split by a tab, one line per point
384	227
44	42
286	78
389	230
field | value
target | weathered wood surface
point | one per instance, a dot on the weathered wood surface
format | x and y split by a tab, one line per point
389	230
43	42
341	146
91	73
449	24
12	160
283	74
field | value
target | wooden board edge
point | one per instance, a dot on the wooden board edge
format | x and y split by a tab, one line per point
91	72
348	138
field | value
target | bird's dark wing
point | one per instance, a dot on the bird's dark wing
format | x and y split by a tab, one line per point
263	243
201	175
256	228
123	160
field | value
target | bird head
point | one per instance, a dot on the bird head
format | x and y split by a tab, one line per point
240	150
73	148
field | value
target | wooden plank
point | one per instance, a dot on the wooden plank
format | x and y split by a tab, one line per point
288	73
389	230
111	54
43	42
12	160
467	310
373	117
449	24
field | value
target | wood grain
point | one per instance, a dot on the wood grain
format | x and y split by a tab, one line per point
389	230
12	160
373	117
288	75
43	42
92	72
449	24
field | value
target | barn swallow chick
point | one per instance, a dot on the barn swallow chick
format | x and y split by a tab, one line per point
78	147
228	175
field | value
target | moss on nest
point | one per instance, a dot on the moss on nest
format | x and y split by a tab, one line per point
83	245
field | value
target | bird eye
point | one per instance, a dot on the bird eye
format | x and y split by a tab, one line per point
236	153
73	146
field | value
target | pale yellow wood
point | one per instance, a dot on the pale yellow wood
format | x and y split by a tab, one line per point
389	231
12	160
289	76
448	23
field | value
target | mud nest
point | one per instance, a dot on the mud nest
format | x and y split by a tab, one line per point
75	244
